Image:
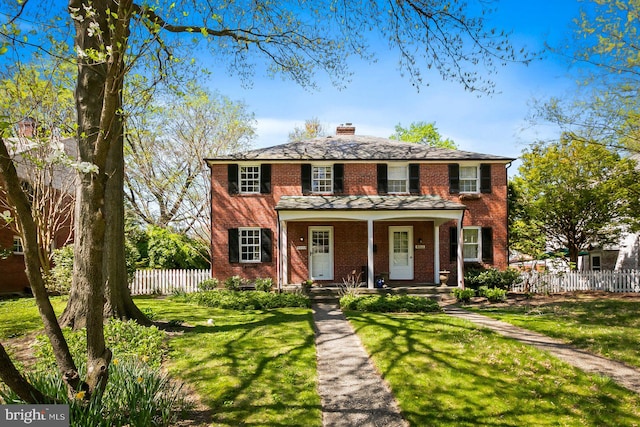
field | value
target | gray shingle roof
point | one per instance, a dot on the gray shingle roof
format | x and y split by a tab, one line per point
355	148
366	203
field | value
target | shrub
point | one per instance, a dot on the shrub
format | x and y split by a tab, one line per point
492	277
209	284
234	300
264	284
62	271
463	295
136	394
389	303
495	294
234	283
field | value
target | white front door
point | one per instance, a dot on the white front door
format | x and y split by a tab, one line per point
321	253
401	253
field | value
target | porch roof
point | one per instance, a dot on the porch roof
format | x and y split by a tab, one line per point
367	203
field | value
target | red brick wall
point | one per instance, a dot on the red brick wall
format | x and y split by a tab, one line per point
232	211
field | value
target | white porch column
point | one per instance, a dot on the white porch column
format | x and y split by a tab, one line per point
460	260
436	254
283	255
370	278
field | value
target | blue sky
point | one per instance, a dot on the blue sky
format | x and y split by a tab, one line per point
378	98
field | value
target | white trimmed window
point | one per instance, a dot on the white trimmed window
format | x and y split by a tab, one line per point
469	179
397	179
249	179
322	179
249	244
471	251
18	247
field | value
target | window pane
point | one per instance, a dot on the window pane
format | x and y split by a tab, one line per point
322	179
397	179
250	245
249	179
471	247
469	179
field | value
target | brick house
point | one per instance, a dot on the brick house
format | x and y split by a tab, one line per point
322	208
13	278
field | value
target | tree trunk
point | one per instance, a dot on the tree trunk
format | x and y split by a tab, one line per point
10	375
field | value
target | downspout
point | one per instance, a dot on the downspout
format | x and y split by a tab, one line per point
210	218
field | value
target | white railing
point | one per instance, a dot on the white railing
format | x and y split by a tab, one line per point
609	281
165	282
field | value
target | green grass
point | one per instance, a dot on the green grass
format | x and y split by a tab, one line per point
249	367
447	372
20	315
608	327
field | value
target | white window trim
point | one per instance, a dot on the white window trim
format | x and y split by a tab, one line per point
321	165
479	231
240	246
240	178
21	243
406	177
477	167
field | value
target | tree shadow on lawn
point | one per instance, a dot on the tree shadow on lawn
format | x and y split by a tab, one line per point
253	365
446	371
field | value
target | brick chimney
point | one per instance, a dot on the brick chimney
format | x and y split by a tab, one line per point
346	129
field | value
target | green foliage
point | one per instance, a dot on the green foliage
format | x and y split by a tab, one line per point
209	284
576	193
492	294
136	395
422	133
491	278
169	250
126	339
389	304
312	129
264	284
234	283
62	272
463	295
248	300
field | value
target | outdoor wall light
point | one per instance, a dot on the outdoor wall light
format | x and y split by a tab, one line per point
420	241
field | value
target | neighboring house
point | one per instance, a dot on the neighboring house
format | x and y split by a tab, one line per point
13	278
323	208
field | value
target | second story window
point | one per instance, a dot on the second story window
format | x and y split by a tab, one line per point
397	177
322	179
249	179
468	179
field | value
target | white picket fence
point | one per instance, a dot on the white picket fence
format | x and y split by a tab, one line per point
609	281
164	282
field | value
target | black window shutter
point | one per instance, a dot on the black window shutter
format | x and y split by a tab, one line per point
414	178
232	173
454	178
487	244
266	245
382	178
338	178
485	178
453	243
265	178
305	172
234	245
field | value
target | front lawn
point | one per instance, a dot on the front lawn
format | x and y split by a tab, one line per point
448	372
249	367
608	326
19	316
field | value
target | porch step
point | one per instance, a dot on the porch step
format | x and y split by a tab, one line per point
332	293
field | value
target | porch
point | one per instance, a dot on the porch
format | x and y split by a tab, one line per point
325	238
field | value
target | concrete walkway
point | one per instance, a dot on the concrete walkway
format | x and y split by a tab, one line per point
622	374
353	393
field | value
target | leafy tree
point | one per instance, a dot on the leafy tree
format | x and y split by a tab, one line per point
296	40
422	133
574	193
166	179
312	128
606	108
167	250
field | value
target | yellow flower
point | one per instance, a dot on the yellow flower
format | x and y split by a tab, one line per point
80	395
145	358
115	362
140	379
